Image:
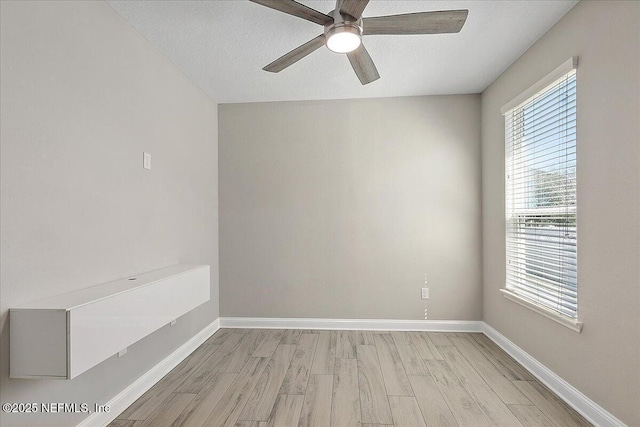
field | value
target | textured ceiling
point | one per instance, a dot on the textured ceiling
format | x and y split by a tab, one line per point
222	46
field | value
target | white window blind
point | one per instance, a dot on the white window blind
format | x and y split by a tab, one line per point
541	215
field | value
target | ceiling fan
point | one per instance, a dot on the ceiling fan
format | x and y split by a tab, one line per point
344	27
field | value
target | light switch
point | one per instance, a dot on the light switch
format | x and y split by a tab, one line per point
146	160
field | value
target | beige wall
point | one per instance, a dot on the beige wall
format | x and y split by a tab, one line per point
604	360
82	96
337	209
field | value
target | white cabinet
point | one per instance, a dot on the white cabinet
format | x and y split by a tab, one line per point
64	336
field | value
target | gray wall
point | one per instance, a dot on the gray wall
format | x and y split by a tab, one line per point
337	209
603	361
82	96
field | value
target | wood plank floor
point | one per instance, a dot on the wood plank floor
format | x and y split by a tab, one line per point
281	378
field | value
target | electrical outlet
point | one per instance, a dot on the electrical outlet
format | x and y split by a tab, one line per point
425	293
122	352
173	322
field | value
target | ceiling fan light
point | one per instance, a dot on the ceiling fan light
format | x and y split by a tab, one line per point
343	39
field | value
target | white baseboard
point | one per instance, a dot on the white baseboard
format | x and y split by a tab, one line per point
572	396
126	397
353	324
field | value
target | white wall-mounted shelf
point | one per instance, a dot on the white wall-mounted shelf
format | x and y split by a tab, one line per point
64	336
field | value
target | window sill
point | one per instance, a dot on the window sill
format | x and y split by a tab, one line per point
574	325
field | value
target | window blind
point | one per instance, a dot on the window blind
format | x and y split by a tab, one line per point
541	214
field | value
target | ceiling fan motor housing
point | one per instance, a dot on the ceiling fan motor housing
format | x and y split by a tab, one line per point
343	23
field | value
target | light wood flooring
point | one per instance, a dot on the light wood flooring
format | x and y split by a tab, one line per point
264	378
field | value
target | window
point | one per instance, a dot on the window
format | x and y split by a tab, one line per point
541	210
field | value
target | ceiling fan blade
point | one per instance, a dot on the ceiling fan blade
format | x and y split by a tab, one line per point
446	21
296	54
296	9
363	65
353	7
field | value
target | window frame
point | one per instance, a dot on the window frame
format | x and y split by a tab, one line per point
542	309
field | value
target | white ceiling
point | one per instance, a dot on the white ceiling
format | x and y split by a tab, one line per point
222	46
